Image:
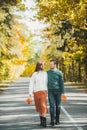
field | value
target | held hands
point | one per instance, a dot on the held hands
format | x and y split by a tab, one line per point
63	97
31	95
29	99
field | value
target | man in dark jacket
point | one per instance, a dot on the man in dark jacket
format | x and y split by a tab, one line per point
55	91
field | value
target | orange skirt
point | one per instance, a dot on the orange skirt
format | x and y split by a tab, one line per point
40	99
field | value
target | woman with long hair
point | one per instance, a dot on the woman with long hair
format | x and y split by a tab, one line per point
38	88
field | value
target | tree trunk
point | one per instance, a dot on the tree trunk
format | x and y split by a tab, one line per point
73	70
79	72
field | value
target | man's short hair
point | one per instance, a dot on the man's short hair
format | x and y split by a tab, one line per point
55	61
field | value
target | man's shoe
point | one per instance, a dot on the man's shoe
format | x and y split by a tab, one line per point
52	123
57	122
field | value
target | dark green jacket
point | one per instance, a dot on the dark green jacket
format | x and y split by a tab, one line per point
55	80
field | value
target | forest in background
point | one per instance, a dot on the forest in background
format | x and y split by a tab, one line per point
65	39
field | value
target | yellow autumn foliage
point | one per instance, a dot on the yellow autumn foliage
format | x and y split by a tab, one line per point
19	61
29	69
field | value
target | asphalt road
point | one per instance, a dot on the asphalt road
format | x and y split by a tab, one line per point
16	114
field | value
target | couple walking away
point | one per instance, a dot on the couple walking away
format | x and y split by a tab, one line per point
49	83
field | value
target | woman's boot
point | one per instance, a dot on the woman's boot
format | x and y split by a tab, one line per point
44	122
40	120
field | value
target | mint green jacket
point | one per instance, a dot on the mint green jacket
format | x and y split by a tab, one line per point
55	80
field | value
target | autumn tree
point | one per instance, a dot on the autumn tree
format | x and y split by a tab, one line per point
14	43
67	33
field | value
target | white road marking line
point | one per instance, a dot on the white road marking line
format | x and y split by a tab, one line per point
71	119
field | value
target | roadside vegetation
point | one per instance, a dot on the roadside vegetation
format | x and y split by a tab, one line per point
65	39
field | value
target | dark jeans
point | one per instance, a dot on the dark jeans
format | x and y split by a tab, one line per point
55	103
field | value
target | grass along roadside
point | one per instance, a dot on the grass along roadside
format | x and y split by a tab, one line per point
4	84
3	87
79	85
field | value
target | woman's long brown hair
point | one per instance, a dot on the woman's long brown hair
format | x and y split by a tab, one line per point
39	66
